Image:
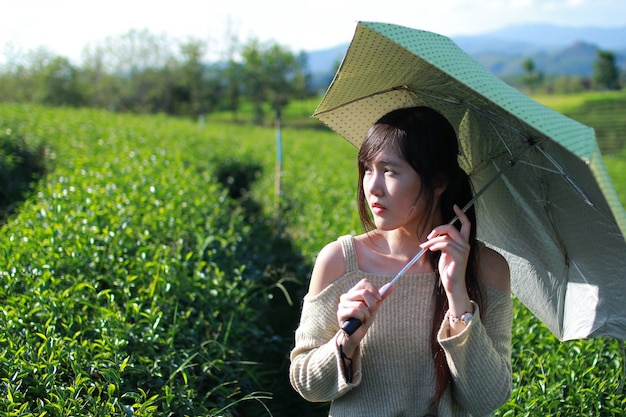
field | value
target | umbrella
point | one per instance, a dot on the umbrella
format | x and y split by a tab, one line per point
553	212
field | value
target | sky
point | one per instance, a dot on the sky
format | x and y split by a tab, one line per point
66	27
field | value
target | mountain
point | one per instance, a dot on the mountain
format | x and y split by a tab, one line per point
323	64
576	59
555	50
561	36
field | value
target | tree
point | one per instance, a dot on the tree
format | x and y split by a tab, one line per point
139	72
303	78
233	74
605	71
190	90
531	78
102	87
255	77
136	51
566	84
23	77
61	84
141	64
273	75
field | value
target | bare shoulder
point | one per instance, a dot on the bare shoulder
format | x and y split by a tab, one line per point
329	266
493	270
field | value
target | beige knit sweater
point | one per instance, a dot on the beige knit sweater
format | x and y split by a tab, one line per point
393	368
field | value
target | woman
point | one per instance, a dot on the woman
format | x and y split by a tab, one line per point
441	345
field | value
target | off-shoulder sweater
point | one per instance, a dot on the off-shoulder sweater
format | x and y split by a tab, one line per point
394	371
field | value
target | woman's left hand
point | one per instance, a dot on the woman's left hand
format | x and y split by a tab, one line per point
454	246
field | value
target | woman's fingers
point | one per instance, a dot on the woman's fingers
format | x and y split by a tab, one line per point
447	235
386	290
466	225
360	302
454	246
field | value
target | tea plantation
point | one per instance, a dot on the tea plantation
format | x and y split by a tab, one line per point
150	270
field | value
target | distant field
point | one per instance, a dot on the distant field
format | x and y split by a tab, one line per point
604	111
568	102
616	165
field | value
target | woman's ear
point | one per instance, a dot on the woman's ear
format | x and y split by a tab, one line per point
440	188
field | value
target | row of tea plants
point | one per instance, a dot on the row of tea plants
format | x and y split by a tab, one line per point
135	279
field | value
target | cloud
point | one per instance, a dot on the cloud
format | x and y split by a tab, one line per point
521	4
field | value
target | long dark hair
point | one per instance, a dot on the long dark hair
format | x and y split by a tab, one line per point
428	142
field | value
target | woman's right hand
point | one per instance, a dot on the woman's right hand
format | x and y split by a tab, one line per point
360	302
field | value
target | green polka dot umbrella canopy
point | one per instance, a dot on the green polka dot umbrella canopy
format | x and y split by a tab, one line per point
553	211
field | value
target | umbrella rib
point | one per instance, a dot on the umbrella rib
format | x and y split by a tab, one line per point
543	168
532	142
558	168
493	119
347	103
566	177
506	146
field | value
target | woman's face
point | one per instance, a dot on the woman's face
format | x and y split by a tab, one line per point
391	187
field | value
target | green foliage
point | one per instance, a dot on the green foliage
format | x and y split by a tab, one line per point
531	78
61	84
132	283
144	73
582	377
568	84
605	71
271	75
149	273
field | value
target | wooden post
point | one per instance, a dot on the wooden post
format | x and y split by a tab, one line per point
279	163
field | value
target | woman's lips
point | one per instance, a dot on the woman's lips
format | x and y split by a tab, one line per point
377	208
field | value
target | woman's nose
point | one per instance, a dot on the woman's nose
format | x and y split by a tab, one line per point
374	184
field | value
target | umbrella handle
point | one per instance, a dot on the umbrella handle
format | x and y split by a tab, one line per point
349	326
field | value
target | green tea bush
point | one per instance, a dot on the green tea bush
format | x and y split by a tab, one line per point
155	272
131	282
573	378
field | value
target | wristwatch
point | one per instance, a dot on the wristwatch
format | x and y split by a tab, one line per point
465	318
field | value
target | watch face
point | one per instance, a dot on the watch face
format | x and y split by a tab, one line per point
465	318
